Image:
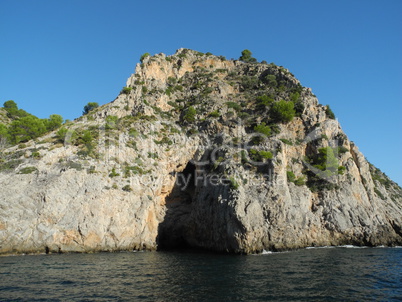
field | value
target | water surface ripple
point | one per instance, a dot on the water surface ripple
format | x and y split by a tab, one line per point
322	274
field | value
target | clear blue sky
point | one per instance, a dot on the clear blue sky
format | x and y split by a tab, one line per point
56	56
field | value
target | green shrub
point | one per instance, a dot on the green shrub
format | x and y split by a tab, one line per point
61	134
4	132
326	160
127	188
53	122
111	122
214	114
283	111
243	115
286	141
13	112
218	162
233	105
168	91
190	114
86	137
246	56
133	132
264	100
113	173
342	150
300	181
294	97
134	170
330	114
259	156
249	82
89	107
27	170
265	154
263	129
243	157
10	165
164	140
233	183
171	80
207	90
341	170
144	56
270	80
253	153
299	107
290	176
172	89
35	155
326	165
74	165
26	128
10	104
126	90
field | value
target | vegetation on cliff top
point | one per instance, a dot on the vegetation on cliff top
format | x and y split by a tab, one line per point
22	126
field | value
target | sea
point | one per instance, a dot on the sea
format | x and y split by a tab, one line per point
314	274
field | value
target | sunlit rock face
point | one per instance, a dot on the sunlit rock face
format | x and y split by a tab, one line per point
197	151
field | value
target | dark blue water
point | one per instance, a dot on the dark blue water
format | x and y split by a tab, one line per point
330	274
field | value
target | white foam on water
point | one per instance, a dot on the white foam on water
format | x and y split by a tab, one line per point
320	247
264	252
348	246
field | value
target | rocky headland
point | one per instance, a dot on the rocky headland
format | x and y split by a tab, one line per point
197	151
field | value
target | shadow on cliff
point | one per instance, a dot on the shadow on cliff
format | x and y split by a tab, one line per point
171	232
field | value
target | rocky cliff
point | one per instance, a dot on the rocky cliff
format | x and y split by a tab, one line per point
197	151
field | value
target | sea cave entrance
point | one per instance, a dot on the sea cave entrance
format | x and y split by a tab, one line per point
172	231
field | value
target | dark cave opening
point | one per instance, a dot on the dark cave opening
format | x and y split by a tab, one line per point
172	231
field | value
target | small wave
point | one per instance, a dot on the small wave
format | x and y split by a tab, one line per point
264	252
349	246
320	247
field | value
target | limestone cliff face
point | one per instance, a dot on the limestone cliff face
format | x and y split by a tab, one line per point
183	157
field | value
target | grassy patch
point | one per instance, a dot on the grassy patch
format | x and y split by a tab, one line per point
27	170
